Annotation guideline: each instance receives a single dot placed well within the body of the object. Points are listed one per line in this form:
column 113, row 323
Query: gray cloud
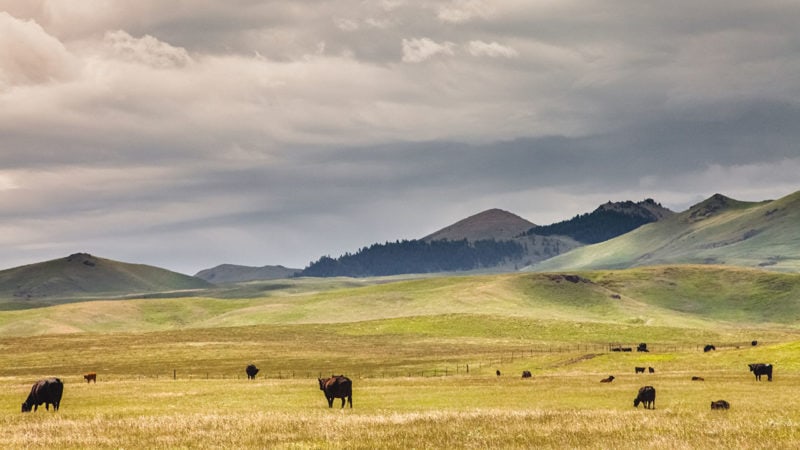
column 188, row 135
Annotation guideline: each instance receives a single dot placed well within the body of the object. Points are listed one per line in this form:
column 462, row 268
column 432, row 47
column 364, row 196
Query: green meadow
column 422, row 354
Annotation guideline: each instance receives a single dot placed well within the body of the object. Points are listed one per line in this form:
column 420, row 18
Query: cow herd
column 50, row 390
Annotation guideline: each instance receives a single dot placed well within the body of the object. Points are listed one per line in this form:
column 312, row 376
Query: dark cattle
column 337, row 386
column 91, row 376
column 698, row 379
column 627, row 349
column 720, row 404
column 616, row 349
column 498, row 373
column 754, row 343
column 761, row 369
column 639, row 369
column 608, row 380
column 44, row 391
column 651, row 370
column 647, row 396
column 526, row 374
column 251, row 371
column 642, row 348
column 708, row 348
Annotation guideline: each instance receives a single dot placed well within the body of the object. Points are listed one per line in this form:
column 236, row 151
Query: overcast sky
column 186, row 134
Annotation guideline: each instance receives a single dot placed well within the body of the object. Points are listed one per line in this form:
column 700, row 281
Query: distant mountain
column 490, row 224
column 718, row 230
column 231, row 273
column 607, row 221
column 84, row 275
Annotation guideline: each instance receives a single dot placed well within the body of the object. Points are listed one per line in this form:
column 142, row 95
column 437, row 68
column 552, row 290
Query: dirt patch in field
column 572, row 361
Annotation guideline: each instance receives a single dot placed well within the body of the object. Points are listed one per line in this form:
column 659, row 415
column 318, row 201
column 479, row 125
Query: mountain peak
column 493, row 223
column 711, row 206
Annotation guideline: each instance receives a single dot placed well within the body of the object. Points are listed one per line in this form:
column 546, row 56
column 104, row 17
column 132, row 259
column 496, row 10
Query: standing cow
column 46, row 391
column 647, row 396
column 761, row 369
column 337, row 386
column 91, row 376
column 251, row 371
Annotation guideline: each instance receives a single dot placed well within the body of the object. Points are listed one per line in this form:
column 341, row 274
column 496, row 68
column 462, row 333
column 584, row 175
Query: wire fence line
column 483, row 366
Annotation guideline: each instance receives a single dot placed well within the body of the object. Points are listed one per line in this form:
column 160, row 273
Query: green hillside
column 82, row 276
column 718, row 230
column 699, row 297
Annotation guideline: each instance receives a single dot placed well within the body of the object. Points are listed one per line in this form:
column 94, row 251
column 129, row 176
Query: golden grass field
column 397, row 347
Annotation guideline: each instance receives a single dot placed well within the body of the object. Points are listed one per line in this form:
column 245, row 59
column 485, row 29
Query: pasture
column 136, row 402
column 422, row 355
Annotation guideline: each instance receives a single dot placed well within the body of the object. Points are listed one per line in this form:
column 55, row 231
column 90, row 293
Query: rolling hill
column 660, row 299
column 82, row 275
column 232, row 273
column 719, row 230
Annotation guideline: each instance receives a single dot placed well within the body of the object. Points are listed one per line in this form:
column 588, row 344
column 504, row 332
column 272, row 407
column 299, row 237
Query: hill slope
column 83, row 275
column 718, row 230
column 232, row 273
column 700, row 297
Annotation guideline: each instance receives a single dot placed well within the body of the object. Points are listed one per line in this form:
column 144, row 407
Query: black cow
column 608, row 380
column 251, row 371
column 695, row 378
column 720, row 404
column 46, row 391
column 526, row 374
column 651, row 370
column 639, row 369
column 754, row 343
column 647, row 396
column 642, row 347
column 337, row 386
column 761, row 369
column 497, row 372
column 708, row 348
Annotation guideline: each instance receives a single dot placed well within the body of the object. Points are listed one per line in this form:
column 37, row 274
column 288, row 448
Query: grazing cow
column 46, row 391
column 708, row 348
column 608, row 380
column 616, row 349
column 251, row 371
column 761, row 369
column 337, row 386
column 91, row 376
column 647, row 396
column 526, row 374
column 497, row 372
column 642, row 347
column 698, row 379
column 651, row 370
column 639, row 369
column 720, row 404
column 627, row 349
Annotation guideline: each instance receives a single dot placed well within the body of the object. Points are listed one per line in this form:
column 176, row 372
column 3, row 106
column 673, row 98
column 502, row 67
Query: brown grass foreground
column 571, row 410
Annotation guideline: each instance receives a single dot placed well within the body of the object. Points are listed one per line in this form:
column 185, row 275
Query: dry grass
column 557, row 411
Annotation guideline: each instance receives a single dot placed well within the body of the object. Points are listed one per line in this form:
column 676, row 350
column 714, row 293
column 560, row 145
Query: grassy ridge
column 717, row 231
column 679, row 297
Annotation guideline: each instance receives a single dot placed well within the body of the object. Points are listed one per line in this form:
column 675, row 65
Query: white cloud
column 459, row 11
column 419, row 50
column 29, row 55
column 146, row 50
column 492, row 49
